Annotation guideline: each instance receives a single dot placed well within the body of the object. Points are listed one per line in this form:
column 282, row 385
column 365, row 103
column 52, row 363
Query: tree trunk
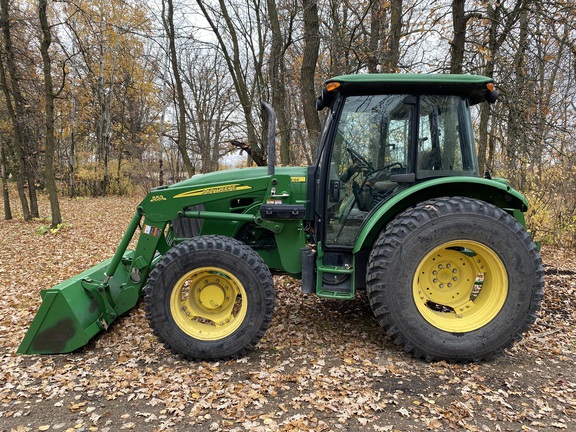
column 458, row 43
column 515, row 138
column 484, row 162
column 15, row 108
column 49, row 106
column 121, row 139
column 392, row 54
column 18, row 151
column 72, row 154
column 162, row 121
column 108, row 131
column 277, row 71
column 171, row 33
column 4, row 179
column 308, row 69
column 375, row 41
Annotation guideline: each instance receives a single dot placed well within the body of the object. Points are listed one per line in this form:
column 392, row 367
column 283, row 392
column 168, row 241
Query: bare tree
column 49, row 113
column 168, row 19
column 16, row 107
column 224, row 27
column 308, row 69
column 4, row 180
column 502, row 22
column 210, row 105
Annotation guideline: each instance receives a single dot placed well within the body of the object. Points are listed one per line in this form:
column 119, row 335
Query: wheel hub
column 212, row 296
column 445, row 277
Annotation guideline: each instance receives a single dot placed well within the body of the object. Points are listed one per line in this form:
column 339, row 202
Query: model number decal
column 157, row 198
column 214, row 190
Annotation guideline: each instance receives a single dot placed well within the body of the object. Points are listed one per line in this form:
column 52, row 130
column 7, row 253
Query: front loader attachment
column 77, row 309
column 72, row 313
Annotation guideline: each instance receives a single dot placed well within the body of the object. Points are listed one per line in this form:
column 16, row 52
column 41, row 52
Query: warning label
column 150, row 230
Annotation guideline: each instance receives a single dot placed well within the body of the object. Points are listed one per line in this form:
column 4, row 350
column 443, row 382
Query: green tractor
column 394, row 206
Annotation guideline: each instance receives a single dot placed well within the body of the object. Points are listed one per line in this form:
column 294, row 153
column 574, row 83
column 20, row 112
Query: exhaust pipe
column 271, row 136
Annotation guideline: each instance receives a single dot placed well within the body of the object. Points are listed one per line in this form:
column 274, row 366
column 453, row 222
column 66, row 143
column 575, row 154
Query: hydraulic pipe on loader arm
column 77, row 309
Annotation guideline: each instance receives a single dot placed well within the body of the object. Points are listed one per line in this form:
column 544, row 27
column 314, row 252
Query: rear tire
column 455, row 279
column 210, row 298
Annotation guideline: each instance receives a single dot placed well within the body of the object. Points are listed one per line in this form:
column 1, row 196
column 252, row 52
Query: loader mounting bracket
column 101, row 292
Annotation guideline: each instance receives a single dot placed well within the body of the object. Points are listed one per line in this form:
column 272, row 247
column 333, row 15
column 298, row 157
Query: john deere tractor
column 394, row 205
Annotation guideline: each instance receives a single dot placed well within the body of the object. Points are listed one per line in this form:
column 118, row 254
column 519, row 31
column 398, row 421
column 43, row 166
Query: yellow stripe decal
column 298, row 179
column 214, row 190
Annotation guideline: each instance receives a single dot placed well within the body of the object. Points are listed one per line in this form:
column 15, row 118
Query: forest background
column 109, row 97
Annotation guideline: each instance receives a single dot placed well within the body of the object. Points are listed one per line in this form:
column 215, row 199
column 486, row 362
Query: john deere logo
column 214, row 190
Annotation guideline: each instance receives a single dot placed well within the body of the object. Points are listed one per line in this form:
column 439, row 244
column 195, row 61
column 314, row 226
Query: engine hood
column 298, row 174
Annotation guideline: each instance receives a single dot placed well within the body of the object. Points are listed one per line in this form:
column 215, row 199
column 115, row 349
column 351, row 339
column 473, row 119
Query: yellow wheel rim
column 460, row 286
column 208, row 303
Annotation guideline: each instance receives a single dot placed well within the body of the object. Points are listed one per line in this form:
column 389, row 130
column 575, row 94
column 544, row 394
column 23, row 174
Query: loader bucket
column 77, row 309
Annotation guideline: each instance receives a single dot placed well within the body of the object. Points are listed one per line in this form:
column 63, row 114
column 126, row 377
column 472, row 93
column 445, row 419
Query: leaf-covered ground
column 322, row 366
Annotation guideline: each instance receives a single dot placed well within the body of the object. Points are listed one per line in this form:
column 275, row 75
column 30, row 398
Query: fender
column 495, row 191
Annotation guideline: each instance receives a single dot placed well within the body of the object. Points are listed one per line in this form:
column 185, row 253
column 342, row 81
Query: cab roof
column 411, row 83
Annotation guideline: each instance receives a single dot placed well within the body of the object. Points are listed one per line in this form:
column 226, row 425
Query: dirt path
column 322, row 366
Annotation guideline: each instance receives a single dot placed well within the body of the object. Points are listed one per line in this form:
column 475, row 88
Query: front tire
column 210, row 298
column 455, row 279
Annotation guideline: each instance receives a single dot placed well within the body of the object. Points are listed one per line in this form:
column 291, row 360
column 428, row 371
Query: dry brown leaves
column 322, row 366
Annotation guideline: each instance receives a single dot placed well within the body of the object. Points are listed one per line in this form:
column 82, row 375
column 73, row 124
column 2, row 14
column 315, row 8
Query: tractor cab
column 384, row 134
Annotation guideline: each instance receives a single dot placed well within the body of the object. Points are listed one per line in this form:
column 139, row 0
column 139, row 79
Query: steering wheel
column 360, row 161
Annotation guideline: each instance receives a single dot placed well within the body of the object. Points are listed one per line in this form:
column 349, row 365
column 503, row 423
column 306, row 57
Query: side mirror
column 492, row 96
column 325, row 99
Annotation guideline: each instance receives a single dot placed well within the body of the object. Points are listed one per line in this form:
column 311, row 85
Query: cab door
column 371, row 144
column 366, row 143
